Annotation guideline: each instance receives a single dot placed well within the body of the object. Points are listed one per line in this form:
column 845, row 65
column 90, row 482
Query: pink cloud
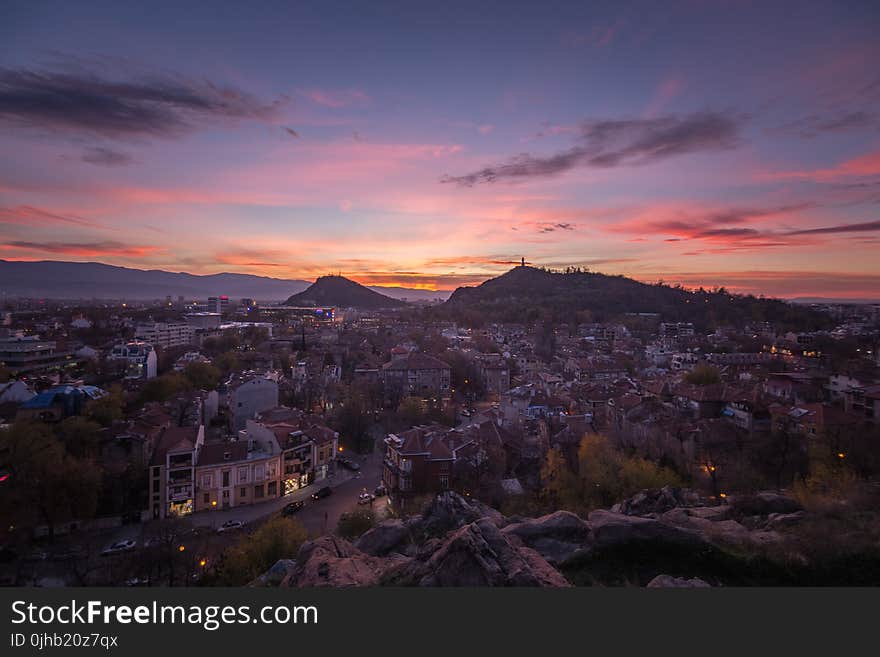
column 336, row 98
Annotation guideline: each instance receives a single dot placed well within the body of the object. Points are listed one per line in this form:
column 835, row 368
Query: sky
column 433, row 145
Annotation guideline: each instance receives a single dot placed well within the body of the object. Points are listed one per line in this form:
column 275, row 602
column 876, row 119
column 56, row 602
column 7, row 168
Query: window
column 226, row 478
column 444, row 481
column 273, row 489
column 405, row 483
column 243, row 492
column 155, row 485
column 258, row 491
column 208, row 481
column 207, row 498
column 259, row 472
column 242, row 475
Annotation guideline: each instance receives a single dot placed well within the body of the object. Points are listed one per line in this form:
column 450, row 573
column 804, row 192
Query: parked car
column 350, row 465
column 322, row 493
column 365, row 498
column 118, row 547
column 380, row 491
column 293, row 507
column 229, row 525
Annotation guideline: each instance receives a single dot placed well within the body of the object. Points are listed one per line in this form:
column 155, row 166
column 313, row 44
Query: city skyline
column 417, row 147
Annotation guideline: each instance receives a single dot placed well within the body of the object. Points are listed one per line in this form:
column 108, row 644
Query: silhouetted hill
column 342, row 292
column 94, row 280
column 529, row 294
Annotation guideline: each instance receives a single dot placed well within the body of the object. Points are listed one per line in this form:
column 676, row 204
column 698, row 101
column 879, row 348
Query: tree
column 164, row 387
column 108, row 409
column 202, row 376
column 46, row 483
column 79, row 435
column 253, row 555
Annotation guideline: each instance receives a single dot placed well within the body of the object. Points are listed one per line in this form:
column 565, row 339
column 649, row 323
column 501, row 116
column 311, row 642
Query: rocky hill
column 527, row 293
column 665, row 537
column 342, row 292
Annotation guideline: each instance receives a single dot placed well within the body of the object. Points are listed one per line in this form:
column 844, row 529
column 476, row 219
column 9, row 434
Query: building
column 205, row 320
column 417, row 461
column 219, row 304
column 172, row 471
column 249, row 395
column 139, row 357
column 58, row 402
column 416, row 374
column 29, row 353
column 245, row 471
column 165, row 334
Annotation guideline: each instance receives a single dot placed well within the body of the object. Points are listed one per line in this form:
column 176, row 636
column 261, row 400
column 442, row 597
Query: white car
column 118, row 547
column 230, row 525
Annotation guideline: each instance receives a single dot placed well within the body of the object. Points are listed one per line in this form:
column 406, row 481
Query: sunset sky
column 432, row 145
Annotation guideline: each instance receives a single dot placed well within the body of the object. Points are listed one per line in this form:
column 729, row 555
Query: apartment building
column 173, row 471
column 416, row 374
column 165, row 334
column 29, row 353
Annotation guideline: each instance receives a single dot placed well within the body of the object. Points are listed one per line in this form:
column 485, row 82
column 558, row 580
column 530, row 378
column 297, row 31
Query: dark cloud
column 84, row 249
column 153, row 106
column 106, row 157
column 605, row 144
column 864, row 227
column 815, row 125
column 291, row 132
column 549, row 228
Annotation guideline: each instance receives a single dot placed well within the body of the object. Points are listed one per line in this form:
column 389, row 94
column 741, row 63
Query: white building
column 248, row 396
column 165, row 334
column 140, row 357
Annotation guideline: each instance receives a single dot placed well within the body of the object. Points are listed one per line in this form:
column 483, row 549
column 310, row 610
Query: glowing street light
column 181, row 548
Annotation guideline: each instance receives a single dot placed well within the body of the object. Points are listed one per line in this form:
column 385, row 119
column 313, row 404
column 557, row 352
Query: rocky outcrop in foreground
column 661, row 538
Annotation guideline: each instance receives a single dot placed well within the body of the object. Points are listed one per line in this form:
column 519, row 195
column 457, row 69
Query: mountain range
column 93, row 280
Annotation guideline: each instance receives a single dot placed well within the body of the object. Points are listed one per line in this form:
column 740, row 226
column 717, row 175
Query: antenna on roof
column 523, row 262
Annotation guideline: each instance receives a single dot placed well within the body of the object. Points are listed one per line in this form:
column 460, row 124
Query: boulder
column 610, row 529
column 653, row 501
column 782, row 520
column 334, row 562
column 277, row 575
column 449, row 511
column 765, row 503
column 555, row 537
column 479, row 554
column 387, row 536
column 670, row 582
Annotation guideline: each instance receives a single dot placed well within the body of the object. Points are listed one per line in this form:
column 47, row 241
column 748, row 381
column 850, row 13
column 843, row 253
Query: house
column 139, row 358
column 415, row 373
column 417, row 461
column 237, row 473
column 15, row 392
column 172, row 471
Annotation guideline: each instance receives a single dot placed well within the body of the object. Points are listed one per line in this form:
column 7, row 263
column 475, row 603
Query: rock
column 555, row 537
column 277, row 574
column 609, row 529
column 727, row 532
column 654, row 501
column 332, row 561
column 479, row 554
column 385, row 537
column 670, row 582
column 765, row 503
column 449, row 511
column 782, row 520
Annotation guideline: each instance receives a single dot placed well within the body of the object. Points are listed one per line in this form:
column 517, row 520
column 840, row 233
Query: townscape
column 186, row 442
